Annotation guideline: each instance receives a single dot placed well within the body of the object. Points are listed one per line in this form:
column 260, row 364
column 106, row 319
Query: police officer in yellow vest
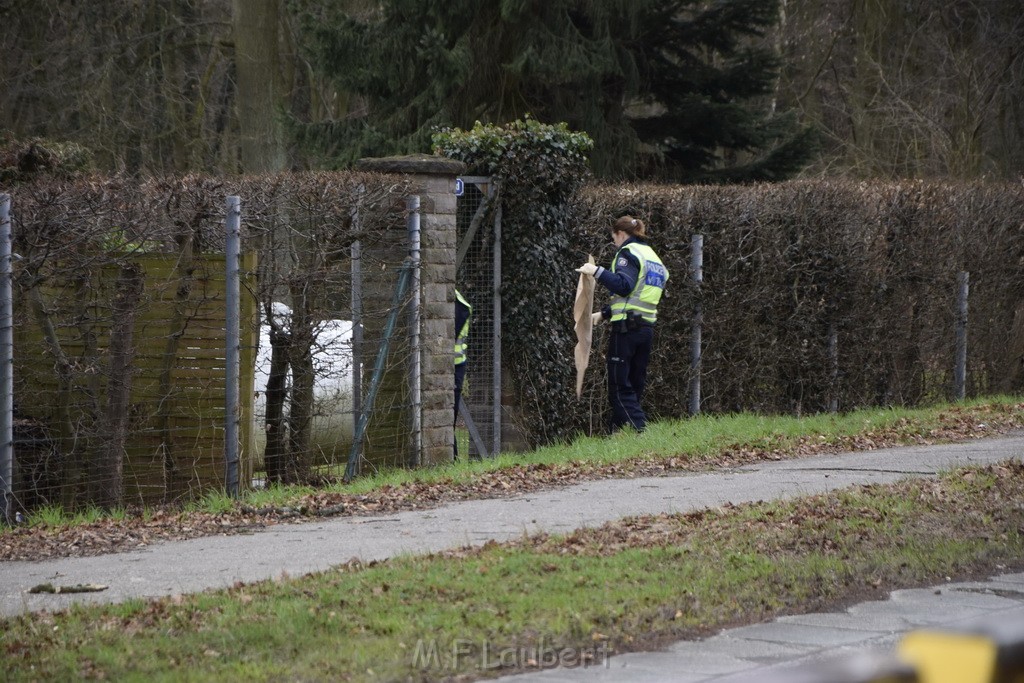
column 636, row 280
column 462, row 312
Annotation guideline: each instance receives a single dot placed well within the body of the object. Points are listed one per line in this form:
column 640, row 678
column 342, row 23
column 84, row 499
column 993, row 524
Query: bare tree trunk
column 276, row 392
column 184, row 268
column 106, row 481
column 88, row 389
column 1013, row 381
column 869, row 26
column 257, row 62
column 300, row 416
column 176, row 67
column 70, row 468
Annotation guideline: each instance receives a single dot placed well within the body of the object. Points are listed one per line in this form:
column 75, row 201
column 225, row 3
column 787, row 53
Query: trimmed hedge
column 785, row 262
column 783, row 265
column 787, row 267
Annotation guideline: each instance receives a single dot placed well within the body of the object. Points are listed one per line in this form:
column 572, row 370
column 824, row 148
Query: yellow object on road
column 949, row 657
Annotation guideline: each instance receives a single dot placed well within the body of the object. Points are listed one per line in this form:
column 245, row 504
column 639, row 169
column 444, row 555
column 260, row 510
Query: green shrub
column 538, row 169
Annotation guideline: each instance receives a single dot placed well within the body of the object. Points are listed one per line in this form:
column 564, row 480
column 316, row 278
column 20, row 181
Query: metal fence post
column 232, row 344
column 697, row 273
column 6, row 366
column 960, row 369
column 416, row 386
column 357, row 336
column 496, row 331
column 833, row 368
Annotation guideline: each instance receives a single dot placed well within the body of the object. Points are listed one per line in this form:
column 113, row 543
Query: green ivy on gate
column 539, row 168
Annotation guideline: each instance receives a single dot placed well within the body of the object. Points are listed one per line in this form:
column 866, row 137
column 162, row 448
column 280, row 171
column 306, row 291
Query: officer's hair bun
column 631, row 226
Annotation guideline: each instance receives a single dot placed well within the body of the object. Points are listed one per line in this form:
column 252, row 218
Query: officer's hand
column 595, row 318
column 587, row 269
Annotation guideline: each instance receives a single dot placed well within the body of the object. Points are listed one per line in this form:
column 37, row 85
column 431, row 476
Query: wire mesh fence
column 478, row 278
column 119, row 326
column 119, row 329
column 326, row 305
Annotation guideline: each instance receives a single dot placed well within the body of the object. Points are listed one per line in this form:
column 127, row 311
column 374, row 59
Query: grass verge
column 480, row 612
column 707, row 437
column 702, row 443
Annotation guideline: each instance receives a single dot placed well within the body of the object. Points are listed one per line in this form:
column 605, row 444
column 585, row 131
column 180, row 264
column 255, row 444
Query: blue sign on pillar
column 460, row 187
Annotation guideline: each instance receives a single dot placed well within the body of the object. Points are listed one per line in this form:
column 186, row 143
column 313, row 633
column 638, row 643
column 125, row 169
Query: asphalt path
column 191, row 566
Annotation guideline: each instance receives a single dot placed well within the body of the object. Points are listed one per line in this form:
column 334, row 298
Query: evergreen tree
column 673, row 89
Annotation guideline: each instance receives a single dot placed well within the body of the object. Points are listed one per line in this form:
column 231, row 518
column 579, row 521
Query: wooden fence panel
column 175, row 443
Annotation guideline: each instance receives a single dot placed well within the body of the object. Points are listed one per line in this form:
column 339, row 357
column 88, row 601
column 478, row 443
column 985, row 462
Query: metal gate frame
column 485, row 413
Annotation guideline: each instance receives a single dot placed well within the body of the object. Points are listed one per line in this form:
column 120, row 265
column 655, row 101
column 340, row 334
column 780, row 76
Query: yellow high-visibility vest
column 650, row 285
column 463, row 335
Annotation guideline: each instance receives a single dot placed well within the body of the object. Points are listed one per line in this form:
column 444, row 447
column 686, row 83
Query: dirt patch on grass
column 135, row 530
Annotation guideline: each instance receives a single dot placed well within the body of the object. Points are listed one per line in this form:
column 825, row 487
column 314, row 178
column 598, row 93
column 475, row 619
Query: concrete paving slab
column 770, row 660
column 756, row 651
column 799, row 634
column 617, row 672
column 830, row 666
column 684, row 661
column 873, row 623
column 549, row 676
column 1004, row 589
column 942, row 596
column 920, row 613
column 1012, row 578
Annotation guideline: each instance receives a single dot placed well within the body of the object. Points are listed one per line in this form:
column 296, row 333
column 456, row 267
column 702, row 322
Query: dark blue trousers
column 628, row 354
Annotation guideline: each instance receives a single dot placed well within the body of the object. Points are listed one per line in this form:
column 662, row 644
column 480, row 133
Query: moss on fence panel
column 67, row 374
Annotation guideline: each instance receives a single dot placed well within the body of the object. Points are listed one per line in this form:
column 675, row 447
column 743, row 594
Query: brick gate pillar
column 433, row 179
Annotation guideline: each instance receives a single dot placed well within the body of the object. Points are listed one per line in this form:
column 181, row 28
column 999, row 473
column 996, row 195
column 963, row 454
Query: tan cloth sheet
column 584, row 327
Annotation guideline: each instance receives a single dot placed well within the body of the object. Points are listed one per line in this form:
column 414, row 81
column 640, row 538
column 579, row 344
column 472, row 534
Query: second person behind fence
column 462, row 313
column 636, row 280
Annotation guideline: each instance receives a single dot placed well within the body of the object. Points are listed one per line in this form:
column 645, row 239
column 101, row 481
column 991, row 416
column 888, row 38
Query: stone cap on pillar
column 429, row 164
